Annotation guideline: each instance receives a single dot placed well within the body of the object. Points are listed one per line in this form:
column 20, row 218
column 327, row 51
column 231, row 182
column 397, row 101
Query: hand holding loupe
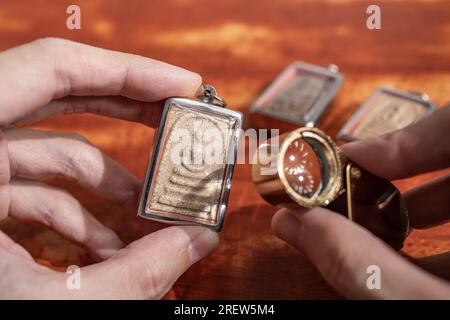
column 306, row 168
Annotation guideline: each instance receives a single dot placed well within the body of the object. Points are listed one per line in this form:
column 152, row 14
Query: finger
column 149, row 267
column 343, row 251
column 429, row 204
column 146, row 269
column 148, row 113
column 38, row 72
column 37, row 154
column 59, row 211
column 4, row 177
column 421, row 147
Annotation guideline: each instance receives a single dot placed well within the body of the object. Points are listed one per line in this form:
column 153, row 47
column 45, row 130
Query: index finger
column 421, row 147
column 38, row 72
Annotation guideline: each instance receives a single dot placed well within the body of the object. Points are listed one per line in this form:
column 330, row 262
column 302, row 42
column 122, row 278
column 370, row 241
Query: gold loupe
column 306, row 168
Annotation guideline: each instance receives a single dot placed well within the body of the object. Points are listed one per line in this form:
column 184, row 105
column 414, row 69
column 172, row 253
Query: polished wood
column 239, row 47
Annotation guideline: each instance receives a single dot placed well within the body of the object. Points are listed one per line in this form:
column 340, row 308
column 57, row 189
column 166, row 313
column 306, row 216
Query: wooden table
column 239, row 47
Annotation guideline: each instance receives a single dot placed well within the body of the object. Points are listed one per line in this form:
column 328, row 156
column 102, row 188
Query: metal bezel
column 319, row 105
column 226, row 186
column 344, row 134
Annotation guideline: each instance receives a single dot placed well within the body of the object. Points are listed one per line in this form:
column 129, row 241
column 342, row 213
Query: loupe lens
column 303, row 167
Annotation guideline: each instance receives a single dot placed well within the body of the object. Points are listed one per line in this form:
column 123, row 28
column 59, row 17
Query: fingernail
column 287, row 227
column 196, row 84
column 188, row 82
column 203, row 244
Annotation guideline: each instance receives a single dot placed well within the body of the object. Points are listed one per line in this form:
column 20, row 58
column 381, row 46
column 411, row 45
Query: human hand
column 342, row 251
column 54, row 76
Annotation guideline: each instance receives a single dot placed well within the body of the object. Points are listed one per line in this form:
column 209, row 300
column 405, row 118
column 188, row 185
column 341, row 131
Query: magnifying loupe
column 305, row 168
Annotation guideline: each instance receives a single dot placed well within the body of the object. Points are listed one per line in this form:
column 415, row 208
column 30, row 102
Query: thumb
column 346, row 255
column 148, row 267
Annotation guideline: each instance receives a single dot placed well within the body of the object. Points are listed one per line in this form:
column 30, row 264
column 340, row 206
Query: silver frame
column 410, row 95
column 319, row 106
column 226, row 185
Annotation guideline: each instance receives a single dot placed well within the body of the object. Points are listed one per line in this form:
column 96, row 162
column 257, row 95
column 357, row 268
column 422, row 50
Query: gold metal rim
column 333, row 157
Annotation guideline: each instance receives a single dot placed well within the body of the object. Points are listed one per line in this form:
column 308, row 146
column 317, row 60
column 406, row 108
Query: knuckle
column 57, row 53
column 50, row 42
column 76, row 153
column 405, row 142
column 337, row 269
column 334, row 261
column 69, row 164
column 61, row 206
column 154, row 284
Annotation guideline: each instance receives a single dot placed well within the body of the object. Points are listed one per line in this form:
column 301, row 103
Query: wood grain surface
column 239, row 47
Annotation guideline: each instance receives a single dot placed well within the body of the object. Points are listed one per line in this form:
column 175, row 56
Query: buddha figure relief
column 189, row 176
